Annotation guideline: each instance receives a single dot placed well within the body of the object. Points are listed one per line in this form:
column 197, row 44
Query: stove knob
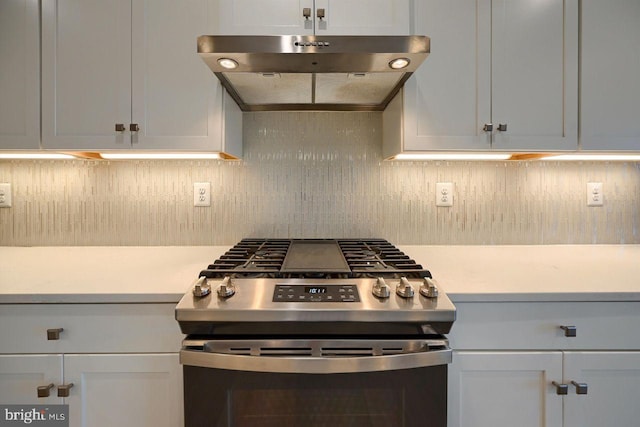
column 381, row 289
column 202, row 288
column 404, row 288
column 226, row 288
column 428, row 288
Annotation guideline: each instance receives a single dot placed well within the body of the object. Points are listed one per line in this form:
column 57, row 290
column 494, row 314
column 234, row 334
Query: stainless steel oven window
column 399, row 398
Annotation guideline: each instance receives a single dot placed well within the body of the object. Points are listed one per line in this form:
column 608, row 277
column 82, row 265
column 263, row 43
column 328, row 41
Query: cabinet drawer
column 536, row 326
column 89, row 328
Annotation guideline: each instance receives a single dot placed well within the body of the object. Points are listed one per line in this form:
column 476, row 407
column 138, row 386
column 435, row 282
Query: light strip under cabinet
column 35, row 156
column 451, row 156
column 161, row 156
column 594, row 157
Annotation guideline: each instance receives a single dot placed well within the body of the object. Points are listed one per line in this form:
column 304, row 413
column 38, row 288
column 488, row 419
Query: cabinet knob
column 63, row 390
column 119, row 127
column 502, row 127
column 54, row 334
column 488, row 127
column 306, row 12
column 561, row 389
column 581, row 388
column 43, row 390
column 569, row 331
column 320, row 14
column 133, row 127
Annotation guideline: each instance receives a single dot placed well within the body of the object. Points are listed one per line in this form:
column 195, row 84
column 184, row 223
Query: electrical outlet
column 5, row 195
column 201, row 194
column 444, row 194
column 595, row 194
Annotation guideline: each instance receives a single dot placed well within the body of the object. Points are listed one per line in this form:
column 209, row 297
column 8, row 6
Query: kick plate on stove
column 316, row 293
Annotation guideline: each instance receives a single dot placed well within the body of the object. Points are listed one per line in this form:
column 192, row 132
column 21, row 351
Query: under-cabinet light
column 451, row 156
column 160, row 156
column 36, row 156
column 587, row 157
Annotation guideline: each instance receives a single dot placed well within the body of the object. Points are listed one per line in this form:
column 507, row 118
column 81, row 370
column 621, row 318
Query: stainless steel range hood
column 334, row 73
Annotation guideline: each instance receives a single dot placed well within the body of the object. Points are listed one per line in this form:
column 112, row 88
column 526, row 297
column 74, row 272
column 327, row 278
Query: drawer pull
column 581, row 388
column 561, row 389
column 43, row 390
column 63, row 390
column 569, row 331
column 54, row 334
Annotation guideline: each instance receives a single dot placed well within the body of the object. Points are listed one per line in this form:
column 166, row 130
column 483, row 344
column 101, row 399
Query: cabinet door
column 502, row 62
column 21, row 375
column 610, row 66
column 363, row 17
column 19, row 75
column 263, row 17
column 176, row 100
column 86, row 73
column 502, row 389
column 534, row 74
column 126, row 390
column 613, row 381
column 447, row 99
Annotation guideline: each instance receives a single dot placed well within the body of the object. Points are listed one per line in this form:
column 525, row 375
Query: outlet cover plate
column 5, row 195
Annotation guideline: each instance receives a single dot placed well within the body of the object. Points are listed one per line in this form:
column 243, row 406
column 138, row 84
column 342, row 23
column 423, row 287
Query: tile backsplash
column 316, row 175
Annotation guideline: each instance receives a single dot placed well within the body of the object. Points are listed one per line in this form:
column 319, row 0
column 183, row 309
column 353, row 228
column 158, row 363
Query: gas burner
column 362, row 258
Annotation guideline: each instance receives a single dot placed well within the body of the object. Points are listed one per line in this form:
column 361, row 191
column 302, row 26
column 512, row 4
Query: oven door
column 313, row 383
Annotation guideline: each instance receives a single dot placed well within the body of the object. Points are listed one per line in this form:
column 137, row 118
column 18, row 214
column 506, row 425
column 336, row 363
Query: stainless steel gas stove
column 315, row 332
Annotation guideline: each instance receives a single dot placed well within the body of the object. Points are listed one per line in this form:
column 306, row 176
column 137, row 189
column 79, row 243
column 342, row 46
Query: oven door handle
column 315, row 365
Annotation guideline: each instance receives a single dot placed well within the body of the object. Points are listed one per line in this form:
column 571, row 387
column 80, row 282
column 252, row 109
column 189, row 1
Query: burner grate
column 364, row 257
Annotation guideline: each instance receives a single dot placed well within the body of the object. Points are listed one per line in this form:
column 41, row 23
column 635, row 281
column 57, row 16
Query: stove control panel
column 315, row 292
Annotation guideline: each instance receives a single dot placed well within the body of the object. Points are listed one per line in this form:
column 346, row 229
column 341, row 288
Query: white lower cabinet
column 121, row 359
column 128, row 390
column 494, row 389
column 22, row 374
column 505, row 365
column 505, row 389
column 613, row 381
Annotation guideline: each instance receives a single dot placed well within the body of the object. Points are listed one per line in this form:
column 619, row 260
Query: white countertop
column 534, row 272
column 466, row 273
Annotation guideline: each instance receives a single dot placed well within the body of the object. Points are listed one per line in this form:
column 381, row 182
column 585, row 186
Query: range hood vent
column 333, row 73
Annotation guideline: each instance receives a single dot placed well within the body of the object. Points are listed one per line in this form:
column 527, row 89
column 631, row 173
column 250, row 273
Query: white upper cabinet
column 511, row 63
column 308, row 17
column 610, row 66
column 19, row 75
column 534, row 74
column 125, row 74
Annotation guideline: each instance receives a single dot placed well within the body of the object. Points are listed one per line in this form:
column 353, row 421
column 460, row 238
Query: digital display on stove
column 341, row 292
column 314, row 290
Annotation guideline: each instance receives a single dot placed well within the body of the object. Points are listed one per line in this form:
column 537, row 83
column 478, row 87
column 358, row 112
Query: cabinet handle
column 488, row 127
column 320, row 14
column 133, row 127
column 561, row 389
column 306, row 12
column 502, row 127
column 54, row 334
column 569, row 331
column 63, row 390
column 43, row 390
column 119, row 127
column 581, row 388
